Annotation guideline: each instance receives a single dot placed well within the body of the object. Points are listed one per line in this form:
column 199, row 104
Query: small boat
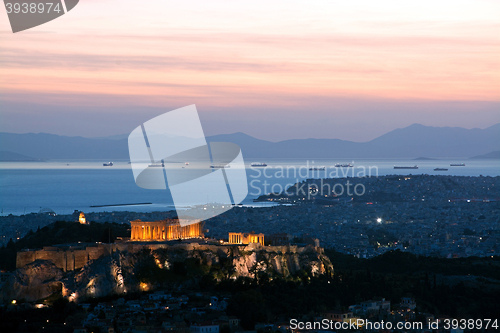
column 457, row 164
column 258, row 165
column 220, row 166
column 440, row 169
column 187, row 163
column 108, row 164
column 348, row 165
column 317, row 168
column 405, row 167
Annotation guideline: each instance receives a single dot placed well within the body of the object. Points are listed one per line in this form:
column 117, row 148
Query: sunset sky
column 272, row 69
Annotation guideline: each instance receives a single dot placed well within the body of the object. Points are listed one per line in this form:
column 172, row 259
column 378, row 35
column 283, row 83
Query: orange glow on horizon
column 233, row 55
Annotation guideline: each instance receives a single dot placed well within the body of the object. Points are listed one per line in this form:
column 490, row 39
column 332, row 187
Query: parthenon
column 168, row 229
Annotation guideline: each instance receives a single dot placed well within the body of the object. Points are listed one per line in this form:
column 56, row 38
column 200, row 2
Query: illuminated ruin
column 245, row 238
column 82, row 219
column 169, row 229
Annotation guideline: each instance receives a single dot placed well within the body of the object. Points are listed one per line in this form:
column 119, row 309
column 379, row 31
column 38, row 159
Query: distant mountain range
column 409, row 142
column 8, row 156
column 494, row 155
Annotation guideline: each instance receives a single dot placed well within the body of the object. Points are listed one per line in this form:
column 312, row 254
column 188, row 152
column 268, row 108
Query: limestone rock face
column 104, row 276
column 34, row 281
column 118, row 273
column 247, row 261
column 281, row 262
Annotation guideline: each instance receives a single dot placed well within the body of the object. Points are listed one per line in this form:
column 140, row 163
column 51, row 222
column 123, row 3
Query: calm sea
column 64, row 186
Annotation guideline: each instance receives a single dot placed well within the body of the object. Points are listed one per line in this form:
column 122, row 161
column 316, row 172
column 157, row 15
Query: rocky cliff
column 152, row 266
column 35, row 281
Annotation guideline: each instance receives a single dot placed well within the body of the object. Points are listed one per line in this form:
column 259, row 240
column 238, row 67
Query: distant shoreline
column 425, row 159
column 118, row 205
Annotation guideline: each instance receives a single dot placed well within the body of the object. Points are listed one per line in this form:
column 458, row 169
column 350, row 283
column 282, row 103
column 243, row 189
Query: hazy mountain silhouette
column 420, row 140
column 489, row 156
column 8, row 156
column 409, row 142
column 51, row 146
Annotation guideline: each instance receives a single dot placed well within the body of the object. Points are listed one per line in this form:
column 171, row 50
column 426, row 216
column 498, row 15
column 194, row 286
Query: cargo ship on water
column 322, row 168
column 440, row 169
column 457, row 164
column 406, row 167
column 348, row 165
column 258, row 165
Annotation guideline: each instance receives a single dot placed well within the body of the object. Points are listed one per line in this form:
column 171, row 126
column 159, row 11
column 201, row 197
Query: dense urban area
column 443, row 216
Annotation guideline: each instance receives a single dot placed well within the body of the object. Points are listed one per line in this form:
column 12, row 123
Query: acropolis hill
column 74, row 257
column 116, row 265
column 158, row 235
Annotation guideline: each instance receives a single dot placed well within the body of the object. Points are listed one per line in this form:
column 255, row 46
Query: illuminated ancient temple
column 245, row 238
column 169, row 229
